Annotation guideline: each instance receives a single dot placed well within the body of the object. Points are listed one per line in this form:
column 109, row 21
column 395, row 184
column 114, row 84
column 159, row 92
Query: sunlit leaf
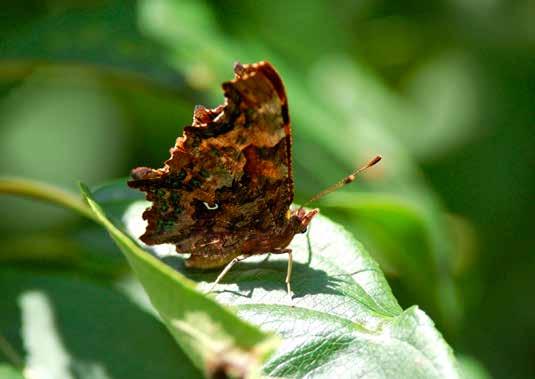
column 343, row 317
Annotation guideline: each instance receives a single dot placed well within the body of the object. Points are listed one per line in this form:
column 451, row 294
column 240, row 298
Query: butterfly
column 225, row 193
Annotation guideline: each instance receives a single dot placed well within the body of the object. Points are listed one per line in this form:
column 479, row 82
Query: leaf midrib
column 322, row 315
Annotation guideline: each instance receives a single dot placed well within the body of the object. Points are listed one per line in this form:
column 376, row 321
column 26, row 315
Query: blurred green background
column 444, row 90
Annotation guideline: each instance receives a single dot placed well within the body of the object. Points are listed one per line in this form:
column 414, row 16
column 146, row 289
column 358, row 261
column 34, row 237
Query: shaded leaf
column 88, row 250
column 63, row 326
column 104, row 36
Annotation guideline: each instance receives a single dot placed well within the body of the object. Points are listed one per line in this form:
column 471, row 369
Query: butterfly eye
column 211, row 207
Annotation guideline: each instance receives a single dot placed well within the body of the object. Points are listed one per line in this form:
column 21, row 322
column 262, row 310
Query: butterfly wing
column 229, row 176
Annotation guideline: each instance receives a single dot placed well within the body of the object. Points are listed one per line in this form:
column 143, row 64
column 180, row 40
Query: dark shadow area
column 268, row 275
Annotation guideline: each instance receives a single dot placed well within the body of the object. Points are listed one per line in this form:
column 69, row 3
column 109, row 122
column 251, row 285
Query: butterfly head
column 300, row 219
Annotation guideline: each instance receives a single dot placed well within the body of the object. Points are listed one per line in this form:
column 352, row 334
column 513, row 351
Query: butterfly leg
column 225, row 270
column 289, row 272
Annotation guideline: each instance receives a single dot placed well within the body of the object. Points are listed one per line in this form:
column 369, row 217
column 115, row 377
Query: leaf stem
column 45, row 192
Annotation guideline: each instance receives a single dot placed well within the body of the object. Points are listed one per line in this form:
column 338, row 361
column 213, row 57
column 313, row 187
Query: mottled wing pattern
column 229, row 176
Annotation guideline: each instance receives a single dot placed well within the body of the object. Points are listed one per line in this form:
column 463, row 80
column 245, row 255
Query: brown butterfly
column 225, row 193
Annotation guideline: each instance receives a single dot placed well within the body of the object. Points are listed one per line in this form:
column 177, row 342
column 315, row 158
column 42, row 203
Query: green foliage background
column 443, row 90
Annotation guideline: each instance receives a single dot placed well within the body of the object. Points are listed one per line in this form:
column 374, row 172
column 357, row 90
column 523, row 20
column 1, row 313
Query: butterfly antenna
column 348, row 179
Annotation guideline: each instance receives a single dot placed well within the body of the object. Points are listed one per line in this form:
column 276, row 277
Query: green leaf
column 10, row 372
column 65, row 326
column 402, row 234
column 211, row 335
column 88, row 250
column 343, row 317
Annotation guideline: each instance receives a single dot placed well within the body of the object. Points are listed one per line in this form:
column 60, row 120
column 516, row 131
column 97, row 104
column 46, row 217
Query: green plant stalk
column 45, row 192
